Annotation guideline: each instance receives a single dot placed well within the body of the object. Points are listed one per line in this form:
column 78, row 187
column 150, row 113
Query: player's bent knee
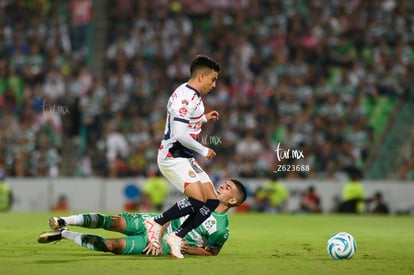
column 118, row 224
column 197, row 204
column 115, row 246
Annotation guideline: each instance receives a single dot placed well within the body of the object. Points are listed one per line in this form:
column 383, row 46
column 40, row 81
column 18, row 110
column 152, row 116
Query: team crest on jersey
column 191, row 173
column 185, row 102
column 182, row 111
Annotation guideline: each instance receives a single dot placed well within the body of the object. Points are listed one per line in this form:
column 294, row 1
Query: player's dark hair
column 242, row 190
column 203, row 61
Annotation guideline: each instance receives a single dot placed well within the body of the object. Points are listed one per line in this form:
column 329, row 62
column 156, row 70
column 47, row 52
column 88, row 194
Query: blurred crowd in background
column 302, row 75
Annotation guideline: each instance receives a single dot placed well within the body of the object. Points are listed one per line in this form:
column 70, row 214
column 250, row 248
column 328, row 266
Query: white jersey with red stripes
column 185, row 105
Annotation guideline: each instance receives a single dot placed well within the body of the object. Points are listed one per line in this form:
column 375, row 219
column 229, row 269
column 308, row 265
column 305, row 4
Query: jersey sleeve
column 181, row 109
column 217, row 240
column 186, row 140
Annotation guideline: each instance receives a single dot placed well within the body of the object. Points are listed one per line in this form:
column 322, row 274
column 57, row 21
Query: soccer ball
column 341, row 245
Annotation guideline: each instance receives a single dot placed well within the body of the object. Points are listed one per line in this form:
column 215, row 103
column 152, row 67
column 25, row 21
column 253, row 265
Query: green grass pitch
column 258, row 244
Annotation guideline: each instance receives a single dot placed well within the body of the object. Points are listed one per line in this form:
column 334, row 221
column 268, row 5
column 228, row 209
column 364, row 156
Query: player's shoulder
column 218, row 227
column 221, row 215
column 186, row 92
column 220, row 218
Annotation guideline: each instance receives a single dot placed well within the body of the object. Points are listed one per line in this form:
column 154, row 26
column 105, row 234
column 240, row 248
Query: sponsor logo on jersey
column 205, row 211
column 191, row 173
column 182, row 111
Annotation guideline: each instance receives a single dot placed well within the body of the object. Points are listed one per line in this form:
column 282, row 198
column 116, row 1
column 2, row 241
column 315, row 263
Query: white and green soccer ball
column 341, row 245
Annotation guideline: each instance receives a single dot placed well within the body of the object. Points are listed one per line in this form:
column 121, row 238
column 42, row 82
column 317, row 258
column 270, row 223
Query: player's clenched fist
column 211, row 154
column 212, row 115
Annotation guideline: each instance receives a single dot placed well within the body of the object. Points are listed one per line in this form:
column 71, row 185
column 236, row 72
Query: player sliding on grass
column 177, row 152
column 207, row 239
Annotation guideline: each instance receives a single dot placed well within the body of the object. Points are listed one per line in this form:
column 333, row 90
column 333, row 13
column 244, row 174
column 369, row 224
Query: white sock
column 74, row 220
column 72, row 236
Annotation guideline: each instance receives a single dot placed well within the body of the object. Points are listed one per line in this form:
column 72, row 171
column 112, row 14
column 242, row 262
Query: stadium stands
column 321, row 78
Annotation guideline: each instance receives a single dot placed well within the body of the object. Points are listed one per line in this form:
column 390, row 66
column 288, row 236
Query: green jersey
column 211, row 234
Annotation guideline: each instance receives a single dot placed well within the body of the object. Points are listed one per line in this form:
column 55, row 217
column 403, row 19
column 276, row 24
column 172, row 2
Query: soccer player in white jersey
column 177, row 152
column 207, row 239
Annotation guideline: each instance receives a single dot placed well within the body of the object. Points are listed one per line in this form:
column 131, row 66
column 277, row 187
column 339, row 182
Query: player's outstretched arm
column 179, row 129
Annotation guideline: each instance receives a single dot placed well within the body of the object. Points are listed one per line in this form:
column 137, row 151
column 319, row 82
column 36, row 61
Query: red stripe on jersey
column 169, row 155
column 194, row 136
column 186, row 184
column 200, row 116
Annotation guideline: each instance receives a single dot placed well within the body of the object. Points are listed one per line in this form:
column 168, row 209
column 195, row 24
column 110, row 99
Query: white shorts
column 181, row 171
